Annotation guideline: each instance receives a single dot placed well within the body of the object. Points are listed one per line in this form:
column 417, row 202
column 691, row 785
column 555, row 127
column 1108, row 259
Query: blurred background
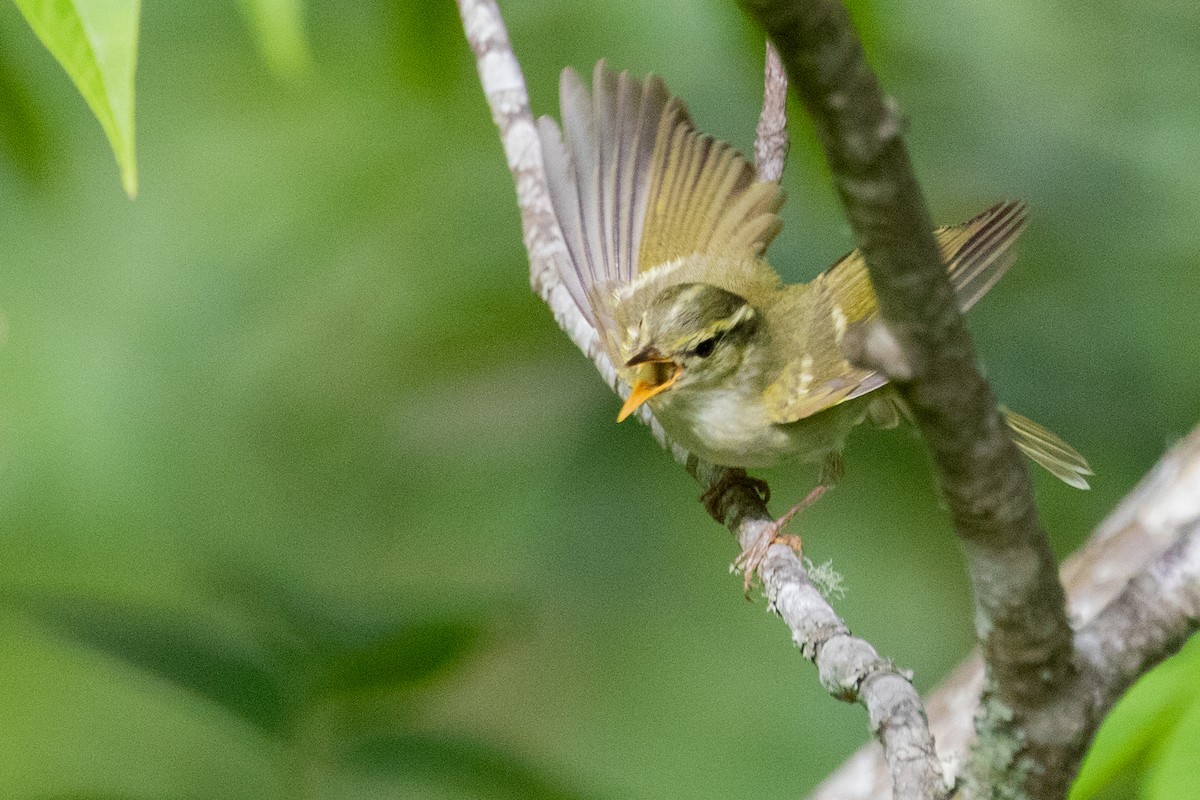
column 304, row 495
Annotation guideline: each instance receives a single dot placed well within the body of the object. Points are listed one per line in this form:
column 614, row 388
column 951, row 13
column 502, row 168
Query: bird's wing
column 977, row 253
column 635, row 186
column 813, row 319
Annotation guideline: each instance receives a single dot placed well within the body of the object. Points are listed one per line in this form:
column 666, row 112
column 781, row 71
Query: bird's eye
column 706, row 347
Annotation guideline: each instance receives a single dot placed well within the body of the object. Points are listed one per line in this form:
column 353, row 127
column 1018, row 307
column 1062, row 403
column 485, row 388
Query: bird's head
column 692, row 335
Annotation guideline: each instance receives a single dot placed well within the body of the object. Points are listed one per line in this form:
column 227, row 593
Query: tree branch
column 1149, row 621
column 848, row 667
column 927, row 352
column 1148, row 541
column 771, row 137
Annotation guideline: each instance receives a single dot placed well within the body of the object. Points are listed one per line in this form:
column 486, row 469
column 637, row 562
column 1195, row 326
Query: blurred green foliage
column 303, row 495
column 278, row 27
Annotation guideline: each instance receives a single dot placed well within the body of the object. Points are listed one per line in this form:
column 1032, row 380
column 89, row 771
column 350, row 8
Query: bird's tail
column 1056, row 456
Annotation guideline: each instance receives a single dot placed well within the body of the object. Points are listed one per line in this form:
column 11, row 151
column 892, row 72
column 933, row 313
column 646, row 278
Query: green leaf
column 394, row 655
column 1172, row 775
column 1148, row 713
column 471, row 767
column 95, row 41
column 187, row 650
column 346, row 649
column 278, row 27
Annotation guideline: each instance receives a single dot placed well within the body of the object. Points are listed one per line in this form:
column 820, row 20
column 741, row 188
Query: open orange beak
column 662, row 373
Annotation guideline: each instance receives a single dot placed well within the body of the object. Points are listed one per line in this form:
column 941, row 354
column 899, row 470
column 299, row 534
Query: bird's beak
column 661, row 373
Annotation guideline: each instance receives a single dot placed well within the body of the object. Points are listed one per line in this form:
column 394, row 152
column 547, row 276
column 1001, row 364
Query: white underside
column 731, row 428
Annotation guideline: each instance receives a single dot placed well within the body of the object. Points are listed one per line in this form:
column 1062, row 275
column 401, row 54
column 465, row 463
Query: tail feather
column 1046, row 449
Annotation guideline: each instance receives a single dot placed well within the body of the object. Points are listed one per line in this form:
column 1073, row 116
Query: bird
column 666, row 229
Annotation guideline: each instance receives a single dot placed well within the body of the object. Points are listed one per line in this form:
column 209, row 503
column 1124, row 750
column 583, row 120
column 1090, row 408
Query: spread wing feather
column 635, row 187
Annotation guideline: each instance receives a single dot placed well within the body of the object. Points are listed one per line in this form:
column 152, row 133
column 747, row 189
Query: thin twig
column 848, row 667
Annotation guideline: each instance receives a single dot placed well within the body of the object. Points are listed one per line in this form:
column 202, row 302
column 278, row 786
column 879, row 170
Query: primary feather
column 645, row 200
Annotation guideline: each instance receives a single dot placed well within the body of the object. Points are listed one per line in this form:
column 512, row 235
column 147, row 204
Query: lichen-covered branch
column 1132, row 594
column 1020, row 616
column 849, row 667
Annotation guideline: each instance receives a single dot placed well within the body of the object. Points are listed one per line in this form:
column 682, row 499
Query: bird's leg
column 752, row 557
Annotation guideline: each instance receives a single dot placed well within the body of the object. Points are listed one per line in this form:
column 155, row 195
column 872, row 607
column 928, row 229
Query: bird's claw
column 750, row 559
column 753, row 556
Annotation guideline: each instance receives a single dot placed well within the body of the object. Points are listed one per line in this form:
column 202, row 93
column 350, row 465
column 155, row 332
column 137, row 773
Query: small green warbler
column 666, row 230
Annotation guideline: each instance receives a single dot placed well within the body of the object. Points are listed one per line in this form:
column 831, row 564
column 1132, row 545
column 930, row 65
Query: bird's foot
column 753, row 556
column 716, row 497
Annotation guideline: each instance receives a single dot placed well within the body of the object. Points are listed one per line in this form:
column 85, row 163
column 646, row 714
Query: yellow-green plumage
column 667, row 228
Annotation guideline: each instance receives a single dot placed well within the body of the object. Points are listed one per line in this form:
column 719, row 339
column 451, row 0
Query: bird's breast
column 733, row 428
column 723, row 427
